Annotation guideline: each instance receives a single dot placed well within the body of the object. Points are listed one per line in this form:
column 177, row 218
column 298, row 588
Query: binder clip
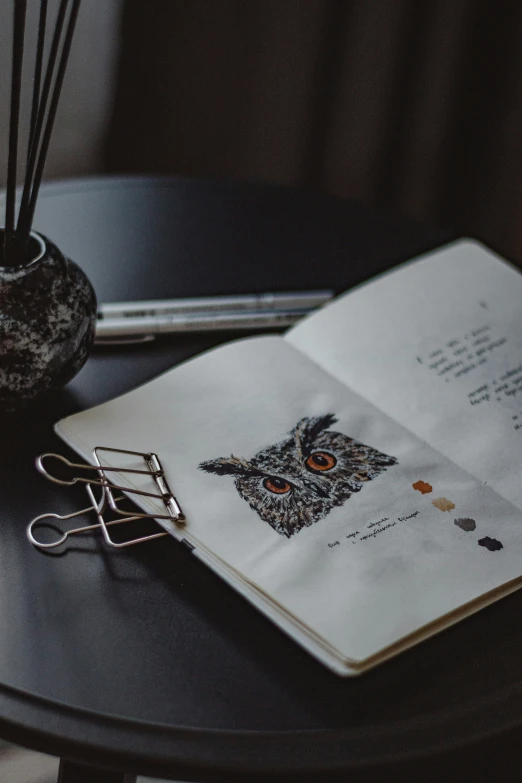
column 98, row 475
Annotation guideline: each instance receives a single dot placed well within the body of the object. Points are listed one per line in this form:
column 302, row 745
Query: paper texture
column 313, row 496
column 437, row 345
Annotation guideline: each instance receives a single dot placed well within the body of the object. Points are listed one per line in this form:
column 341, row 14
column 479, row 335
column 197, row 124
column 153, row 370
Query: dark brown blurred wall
column 414, row 106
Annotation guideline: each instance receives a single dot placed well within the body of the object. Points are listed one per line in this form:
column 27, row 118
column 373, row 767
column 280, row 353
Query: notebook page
column 313, row 495
column 437, row 345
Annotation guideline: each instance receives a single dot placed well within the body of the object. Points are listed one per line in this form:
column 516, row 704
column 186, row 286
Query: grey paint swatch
column 466, row 523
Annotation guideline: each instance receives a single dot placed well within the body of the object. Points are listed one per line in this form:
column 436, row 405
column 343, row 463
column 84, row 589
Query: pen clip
column 130, row 340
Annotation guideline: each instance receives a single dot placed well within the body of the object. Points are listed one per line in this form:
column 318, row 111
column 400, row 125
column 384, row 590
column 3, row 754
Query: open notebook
column 357, row 479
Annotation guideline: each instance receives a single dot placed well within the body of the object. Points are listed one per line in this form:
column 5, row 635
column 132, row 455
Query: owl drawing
column 299, row 480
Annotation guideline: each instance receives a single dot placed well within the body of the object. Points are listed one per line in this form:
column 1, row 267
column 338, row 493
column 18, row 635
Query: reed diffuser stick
column 23, row 227
column 62, row 66
column 16, row 87
column 44, row 104
column 38, row 66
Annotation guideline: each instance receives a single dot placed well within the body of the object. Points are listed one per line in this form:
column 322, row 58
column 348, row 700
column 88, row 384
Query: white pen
column 292, row 300
column 125, row 330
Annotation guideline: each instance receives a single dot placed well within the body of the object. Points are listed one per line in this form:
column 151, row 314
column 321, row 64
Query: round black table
column 142, row 660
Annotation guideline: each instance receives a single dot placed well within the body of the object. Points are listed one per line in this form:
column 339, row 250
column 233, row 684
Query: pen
column 252, row 303
column 143, row 328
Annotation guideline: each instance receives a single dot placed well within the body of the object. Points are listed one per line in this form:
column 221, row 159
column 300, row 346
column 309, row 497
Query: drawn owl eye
column 277, row 485
column 320, row 461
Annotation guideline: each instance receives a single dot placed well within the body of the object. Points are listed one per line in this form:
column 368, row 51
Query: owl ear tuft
column 228, row 466
column 307, row 430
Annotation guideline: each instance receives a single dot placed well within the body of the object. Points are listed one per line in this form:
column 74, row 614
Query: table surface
column 143, row 658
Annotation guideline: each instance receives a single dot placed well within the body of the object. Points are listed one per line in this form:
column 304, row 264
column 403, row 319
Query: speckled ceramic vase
column 47, row 321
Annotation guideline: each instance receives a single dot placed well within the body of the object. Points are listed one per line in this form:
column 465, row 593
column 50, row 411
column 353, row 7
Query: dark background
column 414, row 106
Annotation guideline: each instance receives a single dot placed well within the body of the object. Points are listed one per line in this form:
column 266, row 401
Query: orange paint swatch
column 422, row 486
column 443, row 504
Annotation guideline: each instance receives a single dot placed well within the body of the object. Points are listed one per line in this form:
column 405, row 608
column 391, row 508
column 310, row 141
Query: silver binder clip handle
column 99, row 509
column 101, row 470
column 41, row 521
column 43, row 470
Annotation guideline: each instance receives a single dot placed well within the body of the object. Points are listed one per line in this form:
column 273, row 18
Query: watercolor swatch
column 443, row 504
column 466, row 523
column 422, row 486
column 490, row 543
